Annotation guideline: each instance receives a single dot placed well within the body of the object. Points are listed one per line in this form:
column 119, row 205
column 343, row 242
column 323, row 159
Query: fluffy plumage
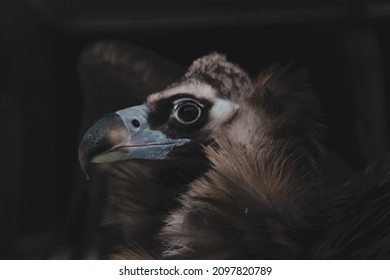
column 248, row 182
column 257, row 199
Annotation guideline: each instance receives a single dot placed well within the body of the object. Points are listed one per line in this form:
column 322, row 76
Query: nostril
column 135, row 123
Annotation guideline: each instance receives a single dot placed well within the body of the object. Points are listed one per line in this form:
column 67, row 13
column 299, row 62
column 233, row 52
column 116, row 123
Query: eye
column 187, row 111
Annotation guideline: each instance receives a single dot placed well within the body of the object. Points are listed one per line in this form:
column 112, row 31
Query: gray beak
column 123, row 135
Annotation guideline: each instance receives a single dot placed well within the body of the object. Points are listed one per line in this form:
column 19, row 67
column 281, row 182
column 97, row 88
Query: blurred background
column 44, row 214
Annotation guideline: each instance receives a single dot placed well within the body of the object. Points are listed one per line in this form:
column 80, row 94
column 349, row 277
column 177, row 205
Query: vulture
column 218, row 165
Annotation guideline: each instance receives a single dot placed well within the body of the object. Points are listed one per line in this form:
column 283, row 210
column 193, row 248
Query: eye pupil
column 188, row 113
column 135, row 123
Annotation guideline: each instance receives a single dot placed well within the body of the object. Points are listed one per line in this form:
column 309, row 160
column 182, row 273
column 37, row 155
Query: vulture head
column 216, row 165
column 173, row 122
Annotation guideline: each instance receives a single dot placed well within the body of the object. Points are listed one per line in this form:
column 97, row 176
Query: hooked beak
column 123, row 135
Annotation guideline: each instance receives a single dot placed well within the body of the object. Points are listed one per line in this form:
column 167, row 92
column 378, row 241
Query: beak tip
column 84, row 163
column 85, row 171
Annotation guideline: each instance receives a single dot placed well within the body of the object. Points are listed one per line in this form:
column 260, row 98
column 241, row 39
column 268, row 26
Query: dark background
column 344, row 44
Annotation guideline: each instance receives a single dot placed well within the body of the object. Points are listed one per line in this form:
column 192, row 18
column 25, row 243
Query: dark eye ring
column 187, row 112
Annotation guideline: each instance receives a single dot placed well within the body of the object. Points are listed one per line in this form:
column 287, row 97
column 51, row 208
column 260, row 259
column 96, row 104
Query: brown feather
column 262, row 189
